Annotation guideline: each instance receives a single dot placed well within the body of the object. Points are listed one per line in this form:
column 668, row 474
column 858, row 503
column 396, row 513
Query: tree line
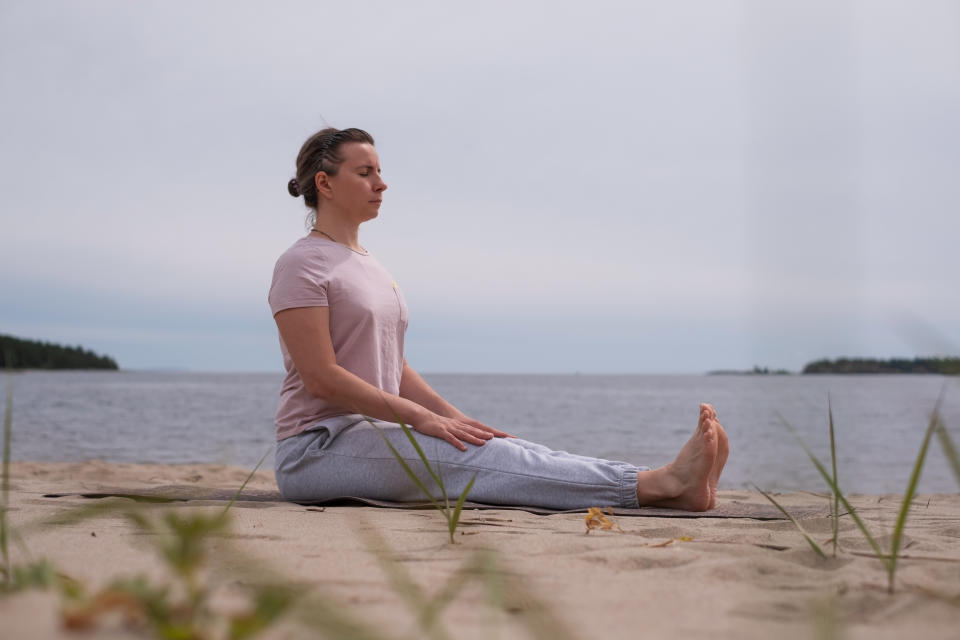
column 17, row 353
column 941, row 366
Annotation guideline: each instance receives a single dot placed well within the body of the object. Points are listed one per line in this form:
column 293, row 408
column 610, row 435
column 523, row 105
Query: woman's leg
column 349, row 457
column 557, row 453
column 356, row 461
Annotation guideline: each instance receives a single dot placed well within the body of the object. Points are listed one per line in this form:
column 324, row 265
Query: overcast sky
column 598, row 187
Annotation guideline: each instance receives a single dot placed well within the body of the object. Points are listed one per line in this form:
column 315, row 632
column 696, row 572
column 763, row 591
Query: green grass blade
column 400, row 579
column 5, row 480
column 911, row 490
column 406, row 467
column 426, row 608
column 949, row 449
column 331, row 620
column 493, row 587
column 112, row 506
column 416, row 445
column 429, row 616
column 245, row 481
column 455, row 517
column 813, row 543
column 836, row 490
column 423, row 457
column 443, row 489
column 321, row 617
column 833, row 460
column 452, row 515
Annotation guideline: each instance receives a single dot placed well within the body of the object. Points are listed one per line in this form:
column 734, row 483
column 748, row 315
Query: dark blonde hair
column 321, row 152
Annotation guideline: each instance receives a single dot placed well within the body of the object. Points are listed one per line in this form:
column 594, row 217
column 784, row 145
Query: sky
column 604, row 187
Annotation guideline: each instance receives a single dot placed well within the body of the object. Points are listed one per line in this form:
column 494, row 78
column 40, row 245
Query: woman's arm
column 413, row 387
column 306, row 333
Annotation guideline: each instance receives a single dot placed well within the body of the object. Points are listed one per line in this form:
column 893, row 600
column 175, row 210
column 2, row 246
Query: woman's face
column 358, row 187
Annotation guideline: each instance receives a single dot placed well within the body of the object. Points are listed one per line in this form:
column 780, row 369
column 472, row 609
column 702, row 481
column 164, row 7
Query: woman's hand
column 455, row 430
column 496, row 433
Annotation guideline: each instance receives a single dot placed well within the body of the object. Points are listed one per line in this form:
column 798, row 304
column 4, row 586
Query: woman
column 342, row 318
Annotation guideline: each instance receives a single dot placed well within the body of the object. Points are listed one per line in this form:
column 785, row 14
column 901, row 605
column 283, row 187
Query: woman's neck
column 338, row 230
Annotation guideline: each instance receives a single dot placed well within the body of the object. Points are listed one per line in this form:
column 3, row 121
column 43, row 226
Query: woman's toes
column 710, row 430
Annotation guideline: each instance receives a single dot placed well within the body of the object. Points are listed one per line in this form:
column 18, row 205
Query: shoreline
column 661, row 577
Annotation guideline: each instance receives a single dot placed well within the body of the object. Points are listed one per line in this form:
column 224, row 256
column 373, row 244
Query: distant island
column 936, row 366
column 756, row 371
column 940, row 366
column 30, row 354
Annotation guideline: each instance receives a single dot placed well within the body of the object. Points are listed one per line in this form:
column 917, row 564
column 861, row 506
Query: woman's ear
column 322, row 180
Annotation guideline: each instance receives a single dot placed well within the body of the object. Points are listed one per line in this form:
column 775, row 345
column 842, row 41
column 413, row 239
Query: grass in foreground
column 502, row 593
column 451, row 515
column 835, row 505
column 5, row 568
column 180, row 607
column 37, row 574
column 949, row 450
column 889, row 559
column 806, row 536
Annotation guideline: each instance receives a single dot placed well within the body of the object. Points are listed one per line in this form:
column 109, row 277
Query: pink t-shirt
column 368, row 319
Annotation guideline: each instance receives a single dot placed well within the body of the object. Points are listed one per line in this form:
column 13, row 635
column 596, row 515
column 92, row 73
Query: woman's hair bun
column 294, row 188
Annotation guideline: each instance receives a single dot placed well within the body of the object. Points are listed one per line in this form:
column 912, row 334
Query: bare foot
column 690, row 481
column 723, row 452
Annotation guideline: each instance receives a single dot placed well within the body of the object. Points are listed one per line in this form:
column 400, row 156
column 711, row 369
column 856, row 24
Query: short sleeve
column 300, row 279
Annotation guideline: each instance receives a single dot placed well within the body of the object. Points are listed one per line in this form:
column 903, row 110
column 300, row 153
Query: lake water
column 135, row 416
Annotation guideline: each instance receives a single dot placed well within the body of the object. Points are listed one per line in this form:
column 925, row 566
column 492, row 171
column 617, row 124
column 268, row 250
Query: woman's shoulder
column 306, row 252
column 299, row 277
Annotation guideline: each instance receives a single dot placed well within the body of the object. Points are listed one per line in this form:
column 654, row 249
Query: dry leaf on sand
column 596, row 518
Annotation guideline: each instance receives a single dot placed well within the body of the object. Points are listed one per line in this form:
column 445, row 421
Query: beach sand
column 659, row 578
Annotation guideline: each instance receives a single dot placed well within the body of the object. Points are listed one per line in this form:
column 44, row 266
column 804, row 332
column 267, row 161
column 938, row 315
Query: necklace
column 362, row 251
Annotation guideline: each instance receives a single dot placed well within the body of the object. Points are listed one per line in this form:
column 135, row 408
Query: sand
column 659, row 578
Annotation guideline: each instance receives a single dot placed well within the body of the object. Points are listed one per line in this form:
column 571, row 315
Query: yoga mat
column 191, row 493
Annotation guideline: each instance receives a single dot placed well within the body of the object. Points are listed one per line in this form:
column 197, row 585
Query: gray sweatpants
column 347, row 456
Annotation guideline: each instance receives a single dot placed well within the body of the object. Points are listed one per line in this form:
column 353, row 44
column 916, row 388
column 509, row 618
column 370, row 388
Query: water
column 133, row 416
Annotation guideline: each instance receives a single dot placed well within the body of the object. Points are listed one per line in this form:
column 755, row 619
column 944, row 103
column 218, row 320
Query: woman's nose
column 380, row 186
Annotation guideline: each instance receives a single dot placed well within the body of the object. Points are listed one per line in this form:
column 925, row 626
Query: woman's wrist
column 415, row 414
